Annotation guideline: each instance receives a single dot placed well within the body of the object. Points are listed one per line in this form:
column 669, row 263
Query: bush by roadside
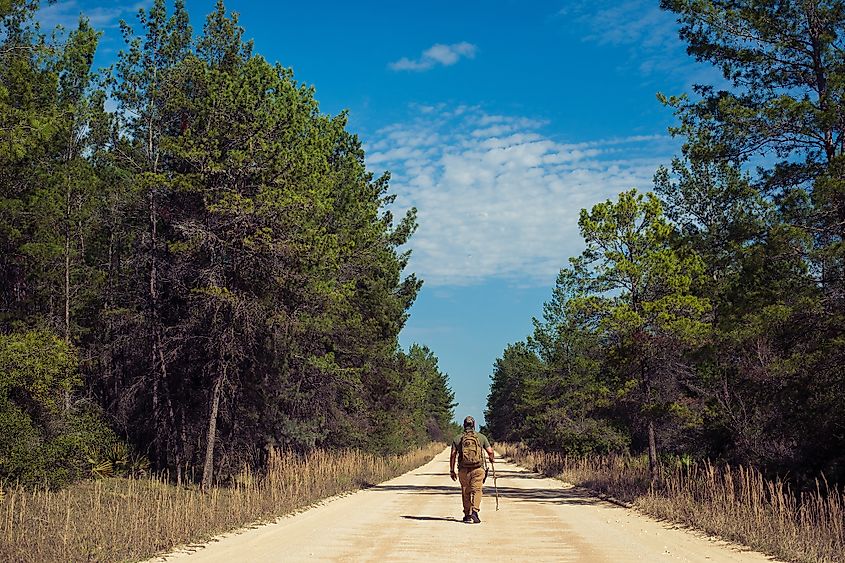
column 46, row 440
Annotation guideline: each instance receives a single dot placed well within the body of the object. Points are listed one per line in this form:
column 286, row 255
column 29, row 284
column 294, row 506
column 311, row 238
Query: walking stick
column 495, row 486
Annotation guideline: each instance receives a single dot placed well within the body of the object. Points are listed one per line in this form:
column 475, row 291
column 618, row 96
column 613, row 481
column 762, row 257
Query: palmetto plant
column 118, row 456
column 138, row 465
column 100, row 467
column 116, row 460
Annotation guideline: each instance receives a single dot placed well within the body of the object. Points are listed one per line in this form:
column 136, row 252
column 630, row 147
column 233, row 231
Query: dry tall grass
column 737, row 504
column 131, row 519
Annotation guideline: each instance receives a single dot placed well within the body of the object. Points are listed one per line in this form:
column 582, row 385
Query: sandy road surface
column 416, row 517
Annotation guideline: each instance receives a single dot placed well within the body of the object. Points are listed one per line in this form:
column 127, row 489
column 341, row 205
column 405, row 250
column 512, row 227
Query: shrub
column 45, row 438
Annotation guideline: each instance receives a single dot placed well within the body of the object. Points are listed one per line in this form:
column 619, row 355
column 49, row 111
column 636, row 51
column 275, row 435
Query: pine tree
column 637, row 289
column 784, row 64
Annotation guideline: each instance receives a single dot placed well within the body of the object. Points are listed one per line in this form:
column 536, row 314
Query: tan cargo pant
column 472, row 481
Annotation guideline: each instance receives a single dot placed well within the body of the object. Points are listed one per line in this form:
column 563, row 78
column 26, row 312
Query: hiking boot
column 468, row 519
column 475, row 517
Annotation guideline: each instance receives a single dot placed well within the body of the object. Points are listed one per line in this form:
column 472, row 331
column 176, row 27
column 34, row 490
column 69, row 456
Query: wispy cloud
column 496, row 197
column 66, row 13
column 437, row 54
column 646, row 37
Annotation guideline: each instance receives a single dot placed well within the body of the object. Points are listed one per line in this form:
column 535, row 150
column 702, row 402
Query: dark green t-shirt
column 482, row 439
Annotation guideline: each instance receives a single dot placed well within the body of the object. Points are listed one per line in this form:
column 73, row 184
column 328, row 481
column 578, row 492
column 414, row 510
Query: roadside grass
column 132, row 519
column 735, row 503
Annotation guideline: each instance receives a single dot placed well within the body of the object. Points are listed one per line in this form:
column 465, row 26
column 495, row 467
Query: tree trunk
column 67, row 280
column 172, row 434
column 208, row 467
column 652, row 451
column 67, row 265
column 158, row 363
column 181, row 460
column 652, row 442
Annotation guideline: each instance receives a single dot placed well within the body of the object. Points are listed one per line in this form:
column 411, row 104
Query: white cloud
column 437, row 54
column 645, row 36
column 66, row 13
column 496, row 197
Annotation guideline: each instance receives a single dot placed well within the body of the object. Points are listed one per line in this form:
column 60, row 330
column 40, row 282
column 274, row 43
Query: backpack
column 471, row 456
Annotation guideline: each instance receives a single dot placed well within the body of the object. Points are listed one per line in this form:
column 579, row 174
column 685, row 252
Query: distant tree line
column 708, row 318
column 194, row 260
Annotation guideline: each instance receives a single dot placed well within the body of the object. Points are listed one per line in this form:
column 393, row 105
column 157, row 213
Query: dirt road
column 416, row 517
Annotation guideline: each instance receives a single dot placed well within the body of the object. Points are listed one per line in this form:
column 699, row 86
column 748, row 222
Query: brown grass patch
column 132, row 519
column 734, row 503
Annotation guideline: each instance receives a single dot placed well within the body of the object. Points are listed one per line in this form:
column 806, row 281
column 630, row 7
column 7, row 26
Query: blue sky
column 499, row 120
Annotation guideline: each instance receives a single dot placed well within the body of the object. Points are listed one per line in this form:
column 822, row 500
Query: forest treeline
column 707, row 318
column 195, row 265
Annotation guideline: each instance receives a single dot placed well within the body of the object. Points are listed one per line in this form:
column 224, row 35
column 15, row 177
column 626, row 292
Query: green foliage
column 615, row 336
column 428, row 397
column 44, row 439
column 116, row 459
column 39, row 367
column 220, row 268
column 718, row 325
column 779, row 312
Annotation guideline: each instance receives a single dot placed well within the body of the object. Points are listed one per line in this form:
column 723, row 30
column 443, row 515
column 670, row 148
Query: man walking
column 468, row 449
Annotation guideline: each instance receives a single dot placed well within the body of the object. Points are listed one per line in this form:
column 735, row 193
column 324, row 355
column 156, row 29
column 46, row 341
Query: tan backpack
column 471, row 456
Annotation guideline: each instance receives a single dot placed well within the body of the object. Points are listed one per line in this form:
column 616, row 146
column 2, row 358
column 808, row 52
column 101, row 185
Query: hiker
column 468, row 449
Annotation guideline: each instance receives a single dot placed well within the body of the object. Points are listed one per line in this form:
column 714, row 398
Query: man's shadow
column 448, row 519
